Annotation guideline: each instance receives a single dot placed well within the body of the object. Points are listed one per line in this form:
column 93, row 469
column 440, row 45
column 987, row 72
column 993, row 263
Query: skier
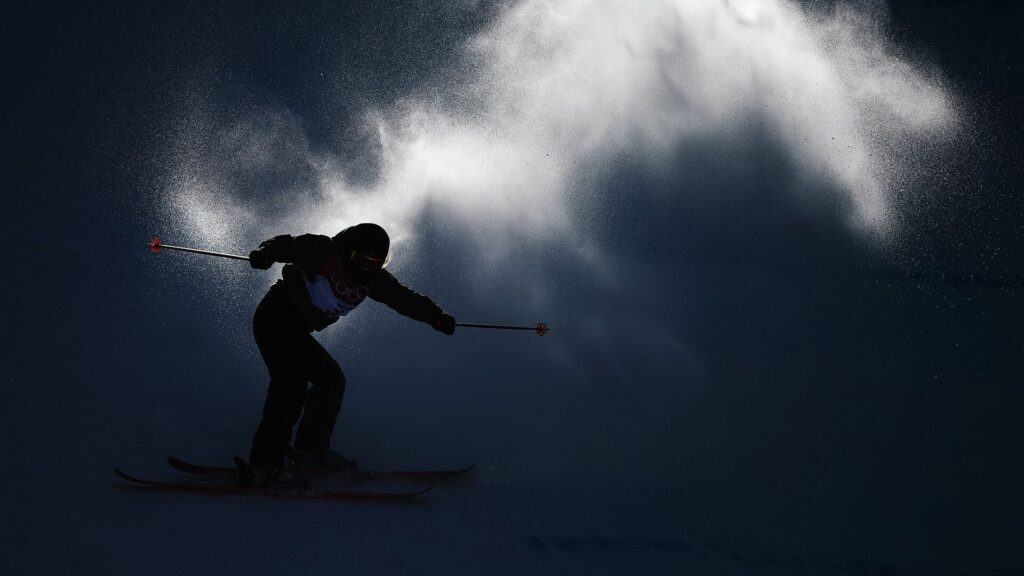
column 323, row 279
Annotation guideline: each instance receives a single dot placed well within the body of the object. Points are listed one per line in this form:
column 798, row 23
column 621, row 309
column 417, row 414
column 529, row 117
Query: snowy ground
column 864, row 461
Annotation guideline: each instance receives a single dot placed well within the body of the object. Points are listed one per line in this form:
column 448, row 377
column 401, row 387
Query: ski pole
column 156, row 245
column 541, row 328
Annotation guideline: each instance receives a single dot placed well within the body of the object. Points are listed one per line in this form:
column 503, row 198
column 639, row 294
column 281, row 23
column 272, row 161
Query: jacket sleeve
column 386, row 289
column 307, row 251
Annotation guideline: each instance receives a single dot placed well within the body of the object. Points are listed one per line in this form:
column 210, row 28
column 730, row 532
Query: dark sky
column 740, row 379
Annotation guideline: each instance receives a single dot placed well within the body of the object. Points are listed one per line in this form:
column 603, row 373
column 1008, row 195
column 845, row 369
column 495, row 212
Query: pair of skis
column 309, row 493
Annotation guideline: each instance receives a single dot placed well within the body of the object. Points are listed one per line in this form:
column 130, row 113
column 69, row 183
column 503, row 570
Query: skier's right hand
column 260, row 259
column 445, row 323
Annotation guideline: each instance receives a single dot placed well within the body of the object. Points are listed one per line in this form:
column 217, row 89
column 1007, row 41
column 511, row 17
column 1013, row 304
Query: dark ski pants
column 294, row 359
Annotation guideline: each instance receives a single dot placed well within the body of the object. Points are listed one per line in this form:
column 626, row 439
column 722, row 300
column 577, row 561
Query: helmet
column 366, row 245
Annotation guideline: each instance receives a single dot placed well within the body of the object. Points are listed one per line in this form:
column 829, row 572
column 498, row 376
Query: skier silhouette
column 323, row 279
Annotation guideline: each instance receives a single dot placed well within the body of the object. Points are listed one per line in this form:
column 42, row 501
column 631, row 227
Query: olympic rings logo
column 348, row 292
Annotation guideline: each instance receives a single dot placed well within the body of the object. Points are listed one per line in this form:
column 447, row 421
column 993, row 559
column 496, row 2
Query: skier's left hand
column 261, row 259
column 445, row 323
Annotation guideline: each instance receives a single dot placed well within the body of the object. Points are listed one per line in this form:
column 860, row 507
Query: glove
column 445, row 323
column 260, row 259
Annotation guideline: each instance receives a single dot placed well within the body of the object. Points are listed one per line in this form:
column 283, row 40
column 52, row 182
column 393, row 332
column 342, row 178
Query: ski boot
column 279, row 478
column 326, row 460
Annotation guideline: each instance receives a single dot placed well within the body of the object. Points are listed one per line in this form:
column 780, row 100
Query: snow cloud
column 510, row 139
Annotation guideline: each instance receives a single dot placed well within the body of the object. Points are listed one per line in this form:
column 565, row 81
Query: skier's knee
column 334, row 375
column 333, row 381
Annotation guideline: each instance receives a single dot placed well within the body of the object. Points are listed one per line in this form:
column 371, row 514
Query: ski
column 308, row 494
column 357, row 474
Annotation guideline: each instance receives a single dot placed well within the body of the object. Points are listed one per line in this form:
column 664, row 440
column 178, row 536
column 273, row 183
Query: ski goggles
column 365, row 262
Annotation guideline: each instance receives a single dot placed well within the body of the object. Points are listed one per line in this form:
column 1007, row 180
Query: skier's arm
column 304, row 250
column 277, row 249
column 386, row 289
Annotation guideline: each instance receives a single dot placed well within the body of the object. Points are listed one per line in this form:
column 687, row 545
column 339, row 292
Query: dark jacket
column 323, row 286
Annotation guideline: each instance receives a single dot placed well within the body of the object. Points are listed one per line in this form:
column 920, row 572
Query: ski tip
column 400, row 496
column 125, row 476
column 182, row 466
column 455, row 474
